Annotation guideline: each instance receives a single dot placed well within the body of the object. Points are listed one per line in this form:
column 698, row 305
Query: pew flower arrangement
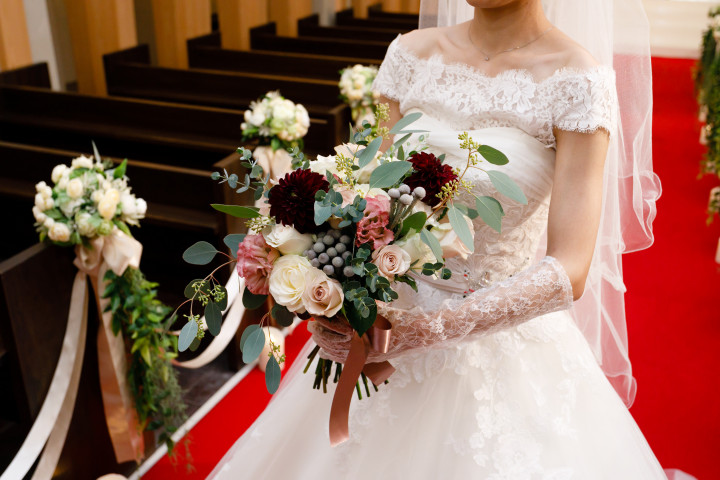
column 276, row 121
column 340, row 233
column 707, row 87
column 90, row 206
column 356, row 90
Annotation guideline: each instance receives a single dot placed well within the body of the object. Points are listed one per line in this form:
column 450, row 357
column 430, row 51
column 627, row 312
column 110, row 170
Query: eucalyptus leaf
column 432, row 242
column 369, row 152
column 404, row 122
column 388, row 174
column 399, row 142
column 213, row 318
column 233, row 242
column 253, row 346
column 252, row 301
column 195, row 344
column 190, row 290
column 490, row 211
column 272, row 375
column 322, row 213
column 246, row 333
column 460, row 227
column 361, row 323
column 492, row 155
column 507, row 186
column 187, row 335
column 237, row 210
column 200, row 253
column 416, row 222
column 282, row 315
column 222, row 304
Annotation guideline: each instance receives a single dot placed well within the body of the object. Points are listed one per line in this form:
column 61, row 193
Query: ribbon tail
column 340, row 409
column 120, row 414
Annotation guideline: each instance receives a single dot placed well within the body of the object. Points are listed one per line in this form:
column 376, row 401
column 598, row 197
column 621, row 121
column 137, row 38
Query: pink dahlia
column 373, row 228
column 255, row 262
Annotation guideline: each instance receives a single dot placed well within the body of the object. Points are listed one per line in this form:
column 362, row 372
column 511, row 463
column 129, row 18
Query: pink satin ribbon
column 115, row 252
column 355, row 365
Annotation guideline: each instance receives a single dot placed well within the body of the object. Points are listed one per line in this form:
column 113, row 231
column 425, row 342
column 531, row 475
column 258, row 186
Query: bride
column 507, row 370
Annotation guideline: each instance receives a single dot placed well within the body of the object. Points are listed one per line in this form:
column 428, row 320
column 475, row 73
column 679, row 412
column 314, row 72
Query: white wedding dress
column 527, row 402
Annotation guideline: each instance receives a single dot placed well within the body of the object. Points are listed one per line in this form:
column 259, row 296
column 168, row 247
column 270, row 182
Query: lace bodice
column 466, row 99
column 456, row 97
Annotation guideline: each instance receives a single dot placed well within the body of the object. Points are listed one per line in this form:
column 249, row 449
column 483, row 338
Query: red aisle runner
column 672, row 309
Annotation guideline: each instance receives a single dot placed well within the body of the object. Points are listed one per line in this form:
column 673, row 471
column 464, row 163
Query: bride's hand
column 333, row 337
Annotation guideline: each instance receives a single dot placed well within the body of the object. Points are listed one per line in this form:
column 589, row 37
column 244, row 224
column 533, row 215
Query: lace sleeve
column 395, row 74
column 540, row 289
column 584, row 101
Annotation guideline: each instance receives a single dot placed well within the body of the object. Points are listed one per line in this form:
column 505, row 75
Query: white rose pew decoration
column 89, row 207
column 279, row 125
column 356, row 90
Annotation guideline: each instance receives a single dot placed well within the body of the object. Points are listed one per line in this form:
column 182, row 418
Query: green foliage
column 201, row 253
column 389, row 174
column 506, row 186
column 142, row 320
column 237, row 210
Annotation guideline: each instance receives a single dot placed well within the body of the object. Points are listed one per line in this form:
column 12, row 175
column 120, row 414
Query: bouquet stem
column 323, row 369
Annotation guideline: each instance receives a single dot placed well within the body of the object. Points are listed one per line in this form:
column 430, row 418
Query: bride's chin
column 491, row 3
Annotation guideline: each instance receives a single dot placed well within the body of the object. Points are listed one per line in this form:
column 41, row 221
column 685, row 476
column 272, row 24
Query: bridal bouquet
column 339, row 233
column 356, row 90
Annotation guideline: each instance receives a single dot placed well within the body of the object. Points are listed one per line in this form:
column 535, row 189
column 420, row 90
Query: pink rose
column 373, row 227
column 391, row 260
column 255, row 262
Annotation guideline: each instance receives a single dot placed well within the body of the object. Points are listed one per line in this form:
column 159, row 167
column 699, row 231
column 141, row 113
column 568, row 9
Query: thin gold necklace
column 495, row 54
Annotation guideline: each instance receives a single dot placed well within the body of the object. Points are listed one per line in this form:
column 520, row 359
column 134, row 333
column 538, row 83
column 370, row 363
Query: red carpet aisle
column 672, row 306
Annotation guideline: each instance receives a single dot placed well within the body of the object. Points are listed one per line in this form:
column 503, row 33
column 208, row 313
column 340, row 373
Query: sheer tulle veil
column 616, row 33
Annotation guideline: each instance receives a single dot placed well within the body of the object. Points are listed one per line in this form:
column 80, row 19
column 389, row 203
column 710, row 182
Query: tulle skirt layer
column 526, row 403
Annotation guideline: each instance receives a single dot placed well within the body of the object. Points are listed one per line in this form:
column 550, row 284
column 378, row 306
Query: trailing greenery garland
column 143, row 321
column 707, row 87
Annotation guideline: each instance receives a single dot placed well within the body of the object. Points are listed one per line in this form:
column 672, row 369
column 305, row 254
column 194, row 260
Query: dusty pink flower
column 255, row 262
column 373, row 227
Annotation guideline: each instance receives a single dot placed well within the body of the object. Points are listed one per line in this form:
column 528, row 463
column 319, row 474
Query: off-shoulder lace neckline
column 511, row 72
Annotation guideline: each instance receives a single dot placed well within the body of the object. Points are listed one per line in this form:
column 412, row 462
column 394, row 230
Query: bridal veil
column 616, row 33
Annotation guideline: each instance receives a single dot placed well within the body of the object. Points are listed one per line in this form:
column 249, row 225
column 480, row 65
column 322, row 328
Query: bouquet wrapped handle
column 378, row 339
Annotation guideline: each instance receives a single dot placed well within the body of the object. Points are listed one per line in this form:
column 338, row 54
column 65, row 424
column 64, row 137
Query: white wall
column 676, row 26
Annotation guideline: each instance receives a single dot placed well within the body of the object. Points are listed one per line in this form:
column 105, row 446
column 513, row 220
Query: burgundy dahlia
column 430, row 174
column 292, row 200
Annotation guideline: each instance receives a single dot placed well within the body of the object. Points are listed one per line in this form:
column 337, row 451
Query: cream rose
column 391, row 260
column 324, row 164
column 287, row 281
column 75, row 188
column 286, row 239
column 419, row 252
column 58, row 172
column 59, row 232
column 84, row 227
column 323, row 296
column 451, row 244
column 108, row 204
column 82, row 162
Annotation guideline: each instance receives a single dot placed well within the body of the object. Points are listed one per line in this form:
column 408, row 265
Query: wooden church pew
column 265, row 38
column 205, row 52
column 346, row 18
column 173, row 134
column 310, row 27
column 376, row 11
column 129, row 74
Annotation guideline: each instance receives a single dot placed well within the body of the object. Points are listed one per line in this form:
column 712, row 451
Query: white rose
column 288, row 240
column 451, row 244
column 284, row 112
column 127, row 201
column 108, row 204
column 391, row 260
column 75, row 188
column 323, row 296
column 69, row 206
column 40, row 217
column 62, row 184
column 302, row 117
column 40, row 201
column 58, row 172
column 84, row 226
column 287, row 281
column 82, row 162
column 59, row 232
column 324, row 164
column 40, row 187
column 48, row 223
column 140, row 208
column 417, row 249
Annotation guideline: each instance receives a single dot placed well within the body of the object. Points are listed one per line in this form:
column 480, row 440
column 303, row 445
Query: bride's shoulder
column 425, row 42
column 567, row 53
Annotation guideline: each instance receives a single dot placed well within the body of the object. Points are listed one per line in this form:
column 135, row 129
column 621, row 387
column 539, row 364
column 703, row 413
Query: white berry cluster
column 86, row 201
column 275, row 116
